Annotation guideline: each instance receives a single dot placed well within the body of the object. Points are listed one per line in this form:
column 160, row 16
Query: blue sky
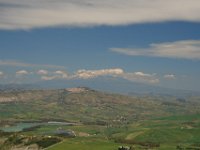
column 158, row 48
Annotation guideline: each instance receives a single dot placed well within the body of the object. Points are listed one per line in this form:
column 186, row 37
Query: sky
column 154, row 42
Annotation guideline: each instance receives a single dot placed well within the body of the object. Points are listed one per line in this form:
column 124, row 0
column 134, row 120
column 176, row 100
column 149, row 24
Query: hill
column 87, row 105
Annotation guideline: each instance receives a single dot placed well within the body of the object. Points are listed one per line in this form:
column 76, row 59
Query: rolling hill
column 87, row 105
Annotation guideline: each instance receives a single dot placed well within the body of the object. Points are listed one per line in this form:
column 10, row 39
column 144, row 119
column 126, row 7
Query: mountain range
column 107, row 84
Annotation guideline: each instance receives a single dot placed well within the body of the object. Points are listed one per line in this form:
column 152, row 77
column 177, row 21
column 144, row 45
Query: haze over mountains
column 106, row 84
column 121, row 86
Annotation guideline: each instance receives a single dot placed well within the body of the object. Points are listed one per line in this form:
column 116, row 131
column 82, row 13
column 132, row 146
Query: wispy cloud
column 63, row 74
column 23, row 14
column 170, row 76
column 56, row 75
column 187, row 49
column 47, row 78
column 24, row 64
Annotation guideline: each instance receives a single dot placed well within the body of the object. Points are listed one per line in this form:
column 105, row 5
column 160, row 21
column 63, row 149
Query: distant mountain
column 107, row 84
column 116, row 85
column 17, row 87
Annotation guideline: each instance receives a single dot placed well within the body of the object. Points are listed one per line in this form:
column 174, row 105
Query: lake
column 26, row 125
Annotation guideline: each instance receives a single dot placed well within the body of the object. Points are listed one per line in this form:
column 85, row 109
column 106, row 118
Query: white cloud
column 56, row 75
column 87, row 74
column 141, row 77
column 187, row 49
column 42, row 72
column 23, row 14
column 170, row 76
column 22, row 72
column 13, row 63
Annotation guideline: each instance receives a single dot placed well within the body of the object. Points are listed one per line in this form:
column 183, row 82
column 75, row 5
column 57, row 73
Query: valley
column 87, row 119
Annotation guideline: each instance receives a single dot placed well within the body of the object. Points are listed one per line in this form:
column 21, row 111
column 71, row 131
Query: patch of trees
column 14, row 140
column 145, row 144
column 183, row 100
column 31, row 128
column 170, row 104
column 192, row 147
column 44, row 142
column 41, row 141
column 91, row 122
column 2, row 133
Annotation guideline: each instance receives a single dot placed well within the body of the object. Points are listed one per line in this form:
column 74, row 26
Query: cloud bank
column 113, row 72
column 187, row 49
column 87, row 74
column 23, row 14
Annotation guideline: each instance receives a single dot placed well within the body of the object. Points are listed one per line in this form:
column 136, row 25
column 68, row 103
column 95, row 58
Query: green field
column 85, row 144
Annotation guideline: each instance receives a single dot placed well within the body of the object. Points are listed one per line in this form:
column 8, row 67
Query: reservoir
column 26, row 125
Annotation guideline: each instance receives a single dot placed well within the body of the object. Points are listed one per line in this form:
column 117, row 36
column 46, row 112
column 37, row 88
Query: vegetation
column 43, row 142
column 102, row 121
